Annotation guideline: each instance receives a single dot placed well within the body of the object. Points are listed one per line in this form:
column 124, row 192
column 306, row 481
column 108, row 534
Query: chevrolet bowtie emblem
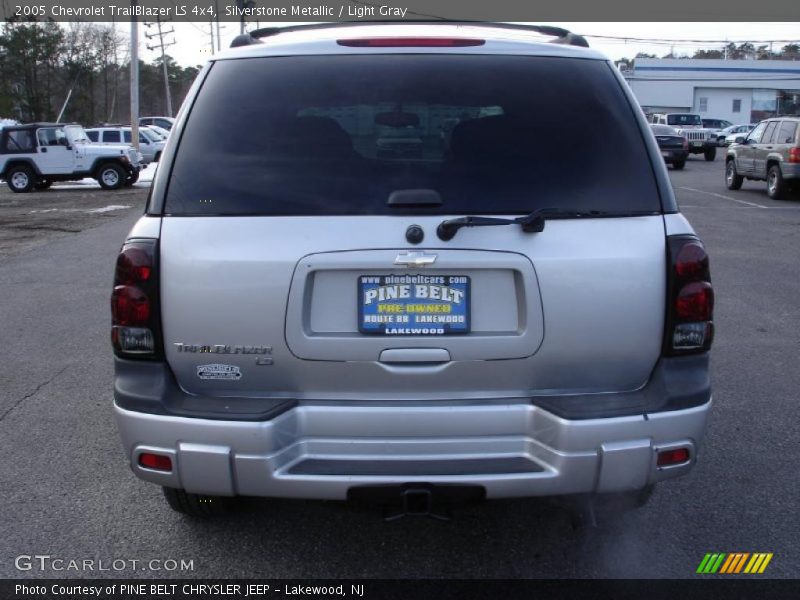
column 415, row 259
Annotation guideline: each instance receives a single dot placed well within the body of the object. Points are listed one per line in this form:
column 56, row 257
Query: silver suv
column 151, row 145
column 499, row 314
column 770, row 152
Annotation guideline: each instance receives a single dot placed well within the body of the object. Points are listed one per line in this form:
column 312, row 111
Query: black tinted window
column 111, row 136
column 338, row 134
column 92, row 135
column 19, row 140
column 684, row 120
column 663, row 130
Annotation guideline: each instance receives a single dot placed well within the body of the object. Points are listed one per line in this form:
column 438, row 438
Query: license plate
column 415, row 305
column 697, row 143
column 666, row 153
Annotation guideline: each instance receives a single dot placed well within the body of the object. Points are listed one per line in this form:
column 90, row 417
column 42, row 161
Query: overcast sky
column 194, row 43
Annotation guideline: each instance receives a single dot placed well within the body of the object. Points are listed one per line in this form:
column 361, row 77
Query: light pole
column 134, row 78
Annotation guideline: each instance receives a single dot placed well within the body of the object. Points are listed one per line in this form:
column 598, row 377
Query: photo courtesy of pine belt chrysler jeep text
column 373, row 265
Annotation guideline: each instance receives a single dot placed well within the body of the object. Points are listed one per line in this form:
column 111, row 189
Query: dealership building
column 740, row 91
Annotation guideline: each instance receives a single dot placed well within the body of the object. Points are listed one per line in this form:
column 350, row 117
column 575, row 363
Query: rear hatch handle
column 414, row 355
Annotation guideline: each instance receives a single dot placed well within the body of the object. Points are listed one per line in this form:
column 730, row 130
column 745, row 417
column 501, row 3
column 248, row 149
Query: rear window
column 336, row 135
column 19, row 141
column 663, row 130
column 684, row 120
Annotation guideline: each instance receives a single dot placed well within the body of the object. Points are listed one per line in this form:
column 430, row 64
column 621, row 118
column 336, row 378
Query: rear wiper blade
column 530, row 223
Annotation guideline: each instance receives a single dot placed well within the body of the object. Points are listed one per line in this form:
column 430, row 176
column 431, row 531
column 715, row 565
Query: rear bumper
column 512, row 449
column 790, row 170
column 673, row 154
column 696, row 148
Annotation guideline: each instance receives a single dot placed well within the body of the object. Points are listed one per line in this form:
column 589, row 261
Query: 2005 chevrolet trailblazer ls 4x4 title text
column 307, row 311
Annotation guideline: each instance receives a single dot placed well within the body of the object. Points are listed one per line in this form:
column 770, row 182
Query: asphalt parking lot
column 67, row 491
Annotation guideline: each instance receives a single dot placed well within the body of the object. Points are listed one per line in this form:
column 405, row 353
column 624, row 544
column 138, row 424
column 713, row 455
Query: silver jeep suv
column 509, row 312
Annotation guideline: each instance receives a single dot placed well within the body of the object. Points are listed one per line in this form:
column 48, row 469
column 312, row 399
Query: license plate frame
column 435, row 322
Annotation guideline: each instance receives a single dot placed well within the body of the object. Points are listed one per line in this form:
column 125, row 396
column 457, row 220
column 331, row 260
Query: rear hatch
column 289, row 261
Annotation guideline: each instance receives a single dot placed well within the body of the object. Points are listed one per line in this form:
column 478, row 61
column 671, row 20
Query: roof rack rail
column 561, row 35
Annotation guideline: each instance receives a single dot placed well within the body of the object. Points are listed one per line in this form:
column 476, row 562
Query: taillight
column 157, row 462
column 794, row 155
column 135, row 329
column 690, row 298
column 410, row 42
column 669, row 458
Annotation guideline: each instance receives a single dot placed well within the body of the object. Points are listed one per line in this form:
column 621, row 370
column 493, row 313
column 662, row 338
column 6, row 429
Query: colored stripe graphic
column 734, row 563
column 763, row 565
column 728, row 563
column 735, row 556
column 755, row 562
column 740, row 563
column 703, row 563
column 717, row 564
column 711, row 563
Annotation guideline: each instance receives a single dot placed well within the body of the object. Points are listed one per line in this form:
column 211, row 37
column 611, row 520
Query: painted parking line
column 724, row 197
column 90, row 211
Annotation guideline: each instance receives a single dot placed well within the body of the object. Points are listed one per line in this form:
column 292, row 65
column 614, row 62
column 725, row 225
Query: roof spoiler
column 561, row 36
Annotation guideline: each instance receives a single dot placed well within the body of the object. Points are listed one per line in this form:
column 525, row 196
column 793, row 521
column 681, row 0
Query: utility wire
column 676, row 41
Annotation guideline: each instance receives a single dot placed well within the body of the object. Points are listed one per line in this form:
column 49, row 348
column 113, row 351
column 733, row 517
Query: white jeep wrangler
column 33, row 156
column 701, row 139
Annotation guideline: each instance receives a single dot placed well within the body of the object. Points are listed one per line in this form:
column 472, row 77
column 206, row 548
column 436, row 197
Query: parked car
column 715, row 125
column 35, row 155
column 735, row 132
column 150, row 145
column 163, row 133
column 164, row 122
column 674, row 146
column 511, row 316
column 770, row 152
column 701, row 140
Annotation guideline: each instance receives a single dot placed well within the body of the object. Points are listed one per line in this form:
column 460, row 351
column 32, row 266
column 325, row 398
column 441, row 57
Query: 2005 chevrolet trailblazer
column 510, row 310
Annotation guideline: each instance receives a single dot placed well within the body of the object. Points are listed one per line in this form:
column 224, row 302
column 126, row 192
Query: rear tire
column 197, row 506
column 733, row 181
column 111, row 176
column 132, row 179
column 776, row 185
column 710, row 154
column 20, row 179
column 678, row 165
